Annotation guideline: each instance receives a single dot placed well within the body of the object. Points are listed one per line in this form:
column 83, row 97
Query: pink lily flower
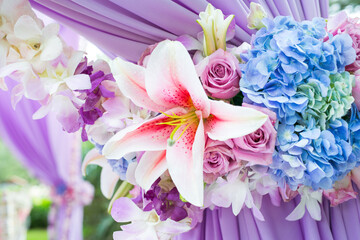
column 175, row 139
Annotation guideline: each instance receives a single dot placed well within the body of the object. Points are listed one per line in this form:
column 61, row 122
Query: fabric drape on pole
column 54, row 157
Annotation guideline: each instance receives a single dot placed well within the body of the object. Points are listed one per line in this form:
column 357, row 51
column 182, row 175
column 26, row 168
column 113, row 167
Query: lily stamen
column 178, row 121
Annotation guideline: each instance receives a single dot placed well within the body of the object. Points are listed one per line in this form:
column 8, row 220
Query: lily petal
column 185, row 163
column 131, row 81
column 148, row 136
column 151, row 166
column 171, row 79
column 108, row 180
column 228, row 121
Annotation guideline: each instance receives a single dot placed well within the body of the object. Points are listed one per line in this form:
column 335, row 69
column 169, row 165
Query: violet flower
column 92, row 110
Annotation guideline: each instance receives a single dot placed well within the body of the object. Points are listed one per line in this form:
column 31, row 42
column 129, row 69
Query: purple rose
column 219, row 159
column 220, row 74
column 258, row 147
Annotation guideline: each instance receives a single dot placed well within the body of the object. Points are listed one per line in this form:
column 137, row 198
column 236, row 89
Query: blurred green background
column 98, row 224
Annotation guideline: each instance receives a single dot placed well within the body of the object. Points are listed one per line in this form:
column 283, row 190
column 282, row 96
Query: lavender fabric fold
column 337, row 223
column 125, row 28
column 48, row 152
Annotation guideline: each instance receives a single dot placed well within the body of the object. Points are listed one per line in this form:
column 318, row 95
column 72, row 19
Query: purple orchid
column 92, row 110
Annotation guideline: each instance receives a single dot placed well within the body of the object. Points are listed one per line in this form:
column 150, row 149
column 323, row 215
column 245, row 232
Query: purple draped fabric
column 51, row 154
column 126, row 27
column 338, row 223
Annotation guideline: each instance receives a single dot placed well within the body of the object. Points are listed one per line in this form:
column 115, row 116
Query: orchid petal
column 313, row 208
column 14, row 67
column 131, row 81
column 171, row 79
column 240, row 196
column 26, row 28
column 227, row 121
column 125, row 210
column 16, row 94
column 52, row 49
column 66, row 113
column 51, row 30
column 151, row 135
column 130, row 173
column 33, row 87
column 42, row 112
column 298, row 212
column 185, row 163
column 151, row 166
column 76, row 58
column 108, row 181
column 78, row 82
column 137, row 231
column 4, row 48
column 172, row 227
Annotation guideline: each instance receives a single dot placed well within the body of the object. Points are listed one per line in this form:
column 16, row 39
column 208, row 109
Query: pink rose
column 342, row 191
column 219, row 159
column 258, row 147
column 341, row 23
column 220, row 74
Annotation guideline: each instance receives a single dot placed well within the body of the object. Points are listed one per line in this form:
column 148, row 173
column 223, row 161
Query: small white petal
column 52, row 48
column 78, row 82
column 27, row 29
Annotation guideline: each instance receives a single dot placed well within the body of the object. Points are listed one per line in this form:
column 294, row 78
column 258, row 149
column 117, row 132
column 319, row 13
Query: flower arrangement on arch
column 207, row 126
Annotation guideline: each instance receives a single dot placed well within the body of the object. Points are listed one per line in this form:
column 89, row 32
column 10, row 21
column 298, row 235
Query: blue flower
column 120, row 166
column 344, row 52
column 287, row 54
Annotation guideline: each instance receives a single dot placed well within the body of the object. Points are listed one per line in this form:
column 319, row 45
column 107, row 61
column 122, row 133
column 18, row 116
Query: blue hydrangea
column 354, row 127
column 294, row 72
column 313, row 157
column 287, row 54
column 119, row 166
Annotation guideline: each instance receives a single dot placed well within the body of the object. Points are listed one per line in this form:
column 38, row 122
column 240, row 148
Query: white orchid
column 144, row 225
column 309, row 199
column 234, row 191
column 32, row 39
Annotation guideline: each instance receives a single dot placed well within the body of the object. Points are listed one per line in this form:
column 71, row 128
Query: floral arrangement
column 200, row 123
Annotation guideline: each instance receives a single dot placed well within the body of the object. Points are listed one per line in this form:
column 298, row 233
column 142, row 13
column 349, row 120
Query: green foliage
column 37, row 234
column 10, row 167
column 39, row 214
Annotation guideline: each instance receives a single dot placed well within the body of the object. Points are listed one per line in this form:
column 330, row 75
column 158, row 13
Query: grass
column 37, row 234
